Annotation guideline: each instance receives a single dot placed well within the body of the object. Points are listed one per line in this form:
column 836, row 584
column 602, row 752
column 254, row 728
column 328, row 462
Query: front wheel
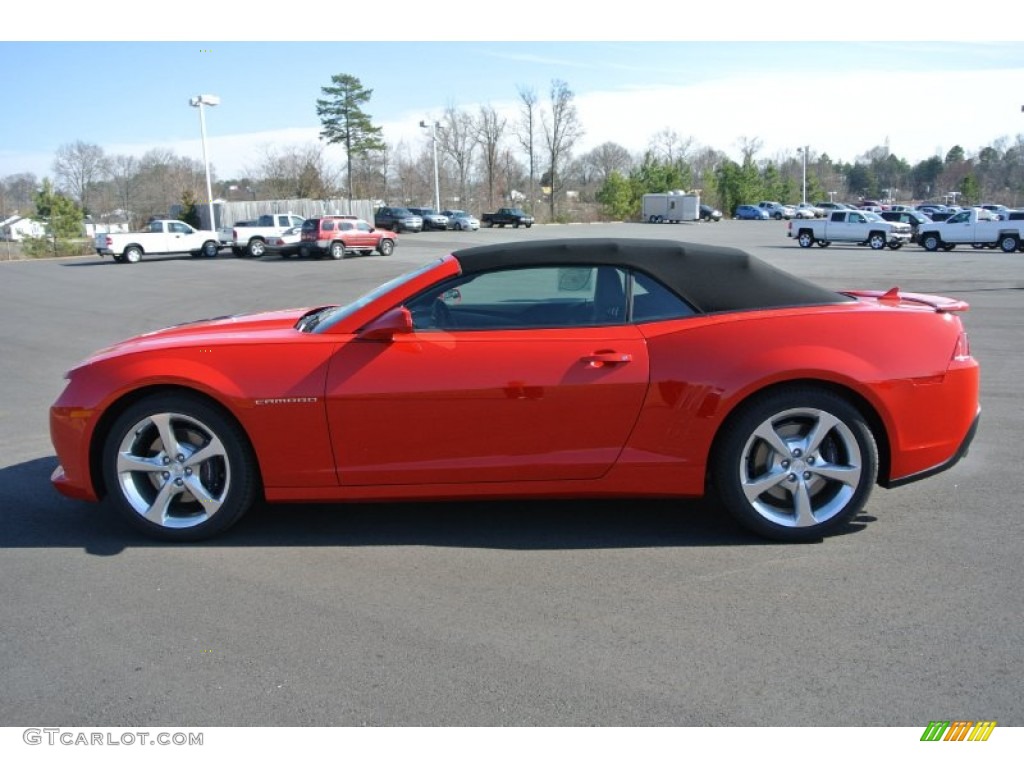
column 876, row 241
column 210, row 249
column 795, row 464
column 178, row 468
column 386, row 247
column 805, row 239
column 931, row 241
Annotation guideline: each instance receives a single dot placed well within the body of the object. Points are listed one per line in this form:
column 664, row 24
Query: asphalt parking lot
column 569, row 613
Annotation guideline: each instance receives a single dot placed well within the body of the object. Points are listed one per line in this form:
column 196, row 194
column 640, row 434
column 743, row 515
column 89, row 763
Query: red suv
column 335, row 235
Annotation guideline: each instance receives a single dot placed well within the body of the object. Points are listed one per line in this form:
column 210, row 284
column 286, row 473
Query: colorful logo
column 958, row 730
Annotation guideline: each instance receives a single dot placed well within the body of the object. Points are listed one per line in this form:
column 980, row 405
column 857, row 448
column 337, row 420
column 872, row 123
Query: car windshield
column 322, row 319
column 872, row 216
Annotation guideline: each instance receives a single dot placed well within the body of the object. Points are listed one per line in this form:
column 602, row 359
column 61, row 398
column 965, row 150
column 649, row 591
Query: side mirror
column 392, row 323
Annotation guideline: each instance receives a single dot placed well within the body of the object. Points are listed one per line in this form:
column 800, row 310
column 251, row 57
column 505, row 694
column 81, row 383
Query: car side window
column 653, row 301
column 523, row 298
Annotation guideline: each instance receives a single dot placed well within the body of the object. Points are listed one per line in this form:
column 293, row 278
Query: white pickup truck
column 861, row 227
column 976, row 227
column 160, row 236
column 252, row 241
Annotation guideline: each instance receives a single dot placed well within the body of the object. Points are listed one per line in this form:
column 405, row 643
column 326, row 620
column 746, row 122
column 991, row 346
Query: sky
column 127, row 89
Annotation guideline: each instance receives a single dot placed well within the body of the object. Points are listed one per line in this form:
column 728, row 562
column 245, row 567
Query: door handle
column 599, row 359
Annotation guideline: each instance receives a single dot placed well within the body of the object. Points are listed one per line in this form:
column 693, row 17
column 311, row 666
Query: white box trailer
column 672, row 207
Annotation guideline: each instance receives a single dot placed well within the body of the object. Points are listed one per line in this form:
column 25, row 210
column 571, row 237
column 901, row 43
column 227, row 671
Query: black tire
column 783, row 480
column 824, row 243
column 1009, row 243
column 256, row 248
column 778, row 216
column 304, row 252
column 528, row 225
column 237, row 251
column 365, row 251
column 805, row 239
column 877, row 241
column 515, row 225
column 337, row 250
column 895, row 246
column 948, row 246
column 931, row 241
column 132, row 254
column 457, row 227
column 210, row 249
column 386, row 247
column 166, row 493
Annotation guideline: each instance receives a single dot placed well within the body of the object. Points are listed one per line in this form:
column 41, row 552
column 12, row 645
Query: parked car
column 914, row 218
column 809, row 211
column 792, row 413
column 161, row 236
column 707, row 213
column 861, row 227
column 251, row 239
column 286, row 244
column 461, row 220
column 431, row 218
column 778, row 210
column 337, row 235
column 513, row 217
column 397, row 219
column 751, row 212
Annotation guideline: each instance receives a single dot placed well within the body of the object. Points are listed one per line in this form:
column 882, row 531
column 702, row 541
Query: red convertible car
column 562, row 368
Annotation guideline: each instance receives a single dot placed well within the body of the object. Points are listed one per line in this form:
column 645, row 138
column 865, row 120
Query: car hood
column 212, row 331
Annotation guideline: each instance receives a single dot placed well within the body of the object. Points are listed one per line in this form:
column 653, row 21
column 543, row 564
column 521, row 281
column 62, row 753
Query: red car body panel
column 626, row 410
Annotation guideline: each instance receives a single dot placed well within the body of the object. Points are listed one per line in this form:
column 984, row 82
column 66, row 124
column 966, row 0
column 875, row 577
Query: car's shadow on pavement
column 34, row 515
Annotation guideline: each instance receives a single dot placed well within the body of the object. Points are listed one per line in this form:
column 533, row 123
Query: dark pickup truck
column 513, row 216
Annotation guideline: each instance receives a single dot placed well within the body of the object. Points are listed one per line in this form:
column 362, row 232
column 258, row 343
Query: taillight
column 110, row 241
column 234, row 234
column 962, row 350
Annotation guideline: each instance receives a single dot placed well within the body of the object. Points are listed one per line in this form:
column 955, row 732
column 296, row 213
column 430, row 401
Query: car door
column 517, row 375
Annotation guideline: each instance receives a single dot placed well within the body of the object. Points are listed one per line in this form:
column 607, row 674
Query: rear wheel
column 337, row 250
column 256, row 248
column 795, row 464
column 177, row 468
column 132, row 254
column 805, row 239
column 1009, row 243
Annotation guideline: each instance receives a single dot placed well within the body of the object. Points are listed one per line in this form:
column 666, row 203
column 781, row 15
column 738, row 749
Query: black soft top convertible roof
column 711, row 278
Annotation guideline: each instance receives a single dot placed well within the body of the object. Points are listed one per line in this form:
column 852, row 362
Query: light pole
column 209, row 101
column 803, row 151
column 437, row 184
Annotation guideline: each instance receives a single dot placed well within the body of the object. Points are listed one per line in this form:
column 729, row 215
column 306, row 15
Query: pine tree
column 344, row 121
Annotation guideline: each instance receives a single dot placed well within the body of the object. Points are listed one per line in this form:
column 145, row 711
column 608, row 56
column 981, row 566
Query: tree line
column 486, row 159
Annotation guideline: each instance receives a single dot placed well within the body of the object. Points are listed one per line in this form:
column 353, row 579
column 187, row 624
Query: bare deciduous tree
column 298, row 171
column 124, row 171
column 668, row 146
column 79, row 167
column 457, row 140
column 562, row 130
column 526, row 132
column 490, row 129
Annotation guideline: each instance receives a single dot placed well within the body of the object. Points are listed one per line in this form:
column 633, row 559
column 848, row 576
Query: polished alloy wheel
column 173, row 470
column 800, row 467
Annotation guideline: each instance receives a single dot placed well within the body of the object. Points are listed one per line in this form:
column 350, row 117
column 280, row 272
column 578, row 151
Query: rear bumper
column 964, row 447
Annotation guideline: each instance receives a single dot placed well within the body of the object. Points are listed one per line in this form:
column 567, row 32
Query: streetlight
column 803, row 151
column 210, row 101
column 437, row 184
